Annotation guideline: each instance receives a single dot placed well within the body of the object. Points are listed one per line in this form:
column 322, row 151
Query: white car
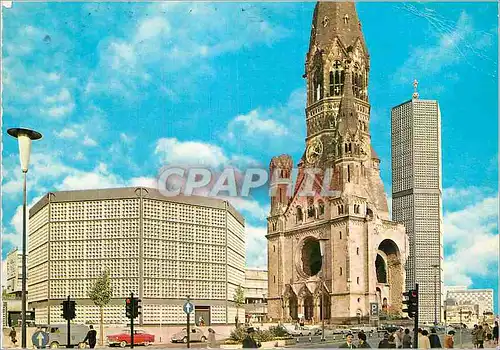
column 298, row 331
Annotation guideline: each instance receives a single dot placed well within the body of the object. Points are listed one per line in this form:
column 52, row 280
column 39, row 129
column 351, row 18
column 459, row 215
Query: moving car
column 298, row 331
column 123, row 338
column 195, row 334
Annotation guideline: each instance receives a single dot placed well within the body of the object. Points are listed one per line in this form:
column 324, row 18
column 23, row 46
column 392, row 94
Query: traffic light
column 132, row 307
column 129, row 305
column 411, row 302
column 69, row 307
column 136, row 307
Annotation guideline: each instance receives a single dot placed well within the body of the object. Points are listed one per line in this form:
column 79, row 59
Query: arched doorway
column 389, row 271
column 308, row 308
column 294, row 307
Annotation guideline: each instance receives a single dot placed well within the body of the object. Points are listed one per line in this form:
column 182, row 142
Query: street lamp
column 322, row 248
column 24, row 138
column 436, row 267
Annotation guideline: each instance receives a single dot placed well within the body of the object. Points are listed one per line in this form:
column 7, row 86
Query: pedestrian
column 384, row 343
column 474, row 336
column 434, row 339
column 423, row 340
column 348, row 342
column 12, row 336
column 91, row 337
column 362, row 341
column 407, row 339
column 480, row 337
column 212, row 342
column 399, row 338
column 487, row 333
column 249, row 341
column 495, row 333
column 449, row 340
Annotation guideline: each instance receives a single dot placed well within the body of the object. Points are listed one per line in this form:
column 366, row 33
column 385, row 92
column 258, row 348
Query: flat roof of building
column 132, row 193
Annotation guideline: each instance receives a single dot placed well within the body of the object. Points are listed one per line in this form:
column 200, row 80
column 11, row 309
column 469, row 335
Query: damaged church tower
column 341, row 245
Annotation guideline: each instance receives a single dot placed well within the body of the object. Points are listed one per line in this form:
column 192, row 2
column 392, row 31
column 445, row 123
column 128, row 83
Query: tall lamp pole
column 24, row 138
column 436, row 267
column 322, row 247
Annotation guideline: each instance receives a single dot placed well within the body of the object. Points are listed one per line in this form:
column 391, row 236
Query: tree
column 239, row 299
column 101, row 294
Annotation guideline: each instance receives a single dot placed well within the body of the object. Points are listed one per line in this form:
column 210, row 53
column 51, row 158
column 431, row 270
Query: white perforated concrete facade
column 416, row 197
column 160, row 248
column 14, row 272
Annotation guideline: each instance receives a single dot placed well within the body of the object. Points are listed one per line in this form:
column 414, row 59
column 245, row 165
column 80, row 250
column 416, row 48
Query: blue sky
column 120, row 89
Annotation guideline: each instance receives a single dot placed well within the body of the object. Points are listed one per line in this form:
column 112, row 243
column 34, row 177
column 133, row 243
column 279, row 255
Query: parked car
column 195, row 334
column 298, row 331
column 123, row 339
column 314, row 330
column 58, row 335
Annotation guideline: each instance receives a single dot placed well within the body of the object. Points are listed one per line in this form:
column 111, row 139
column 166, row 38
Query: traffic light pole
column 415, row 332
column 188, row 331
column 132, row 301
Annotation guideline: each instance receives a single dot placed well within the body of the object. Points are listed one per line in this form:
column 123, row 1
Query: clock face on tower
column 314, row 150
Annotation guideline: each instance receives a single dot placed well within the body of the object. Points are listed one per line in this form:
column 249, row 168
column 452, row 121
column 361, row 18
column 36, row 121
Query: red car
column 123, row 339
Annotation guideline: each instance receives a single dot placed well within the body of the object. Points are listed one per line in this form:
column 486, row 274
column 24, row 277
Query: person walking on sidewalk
column 407, row 339
column 212, row 342
column 12, row 336
column 91, row 337
column 449, row 341
column 434, row 339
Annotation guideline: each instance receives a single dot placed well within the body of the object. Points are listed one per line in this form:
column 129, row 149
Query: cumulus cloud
column 280, row 126
column 256, row 246
column 470, row 237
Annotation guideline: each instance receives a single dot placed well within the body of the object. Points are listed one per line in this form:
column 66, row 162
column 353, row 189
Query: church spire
column 335, row 19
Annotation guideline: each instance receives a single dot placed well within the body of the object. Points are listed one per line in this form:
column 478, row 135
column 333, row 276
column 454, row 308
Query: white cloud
column 87, row 141
column 279, row 126
column 471, row 236
column 144, row 182
column 66, row 133
column 256, row 246
column 174, row 152
column 248, row 207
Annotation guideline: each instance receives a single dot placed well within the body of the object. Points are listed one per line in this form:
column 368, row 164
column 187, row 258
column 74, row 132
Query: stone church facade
column 364, row 252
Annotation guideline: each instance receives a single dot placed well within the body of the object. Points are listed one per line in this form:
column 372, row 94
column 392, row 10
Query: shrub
column 238, row 334
column 279, row 332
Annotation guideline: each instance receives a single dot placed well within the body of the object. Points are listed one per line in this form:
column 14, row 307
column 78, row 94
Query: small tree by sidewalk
column 101, row 294
column 239, row 299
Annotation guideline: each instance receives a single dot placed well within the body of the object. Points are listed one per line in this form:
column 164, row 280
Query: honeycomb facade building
column 343, row 204
column 417, row 197
column 162, row 249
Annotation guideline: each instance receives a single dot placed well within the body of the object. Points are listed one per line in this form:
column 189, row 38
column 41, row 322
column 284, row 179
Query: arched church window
column 357, row 250
column 336, row 76
column 321, row 208
column 340, row 234
column 340, row 271
column 310, row 211
column 350, row 149
column 299, row 214
column 332, row 84
column 342, row 79
column 380, row 269
column 317, row 86
column 274, row 248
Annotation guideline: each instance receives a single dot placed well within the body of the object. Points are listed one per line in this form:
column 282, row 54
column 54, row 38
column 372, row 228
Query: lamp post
column 322, row 247
column 436, row 267
column 24, row 138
